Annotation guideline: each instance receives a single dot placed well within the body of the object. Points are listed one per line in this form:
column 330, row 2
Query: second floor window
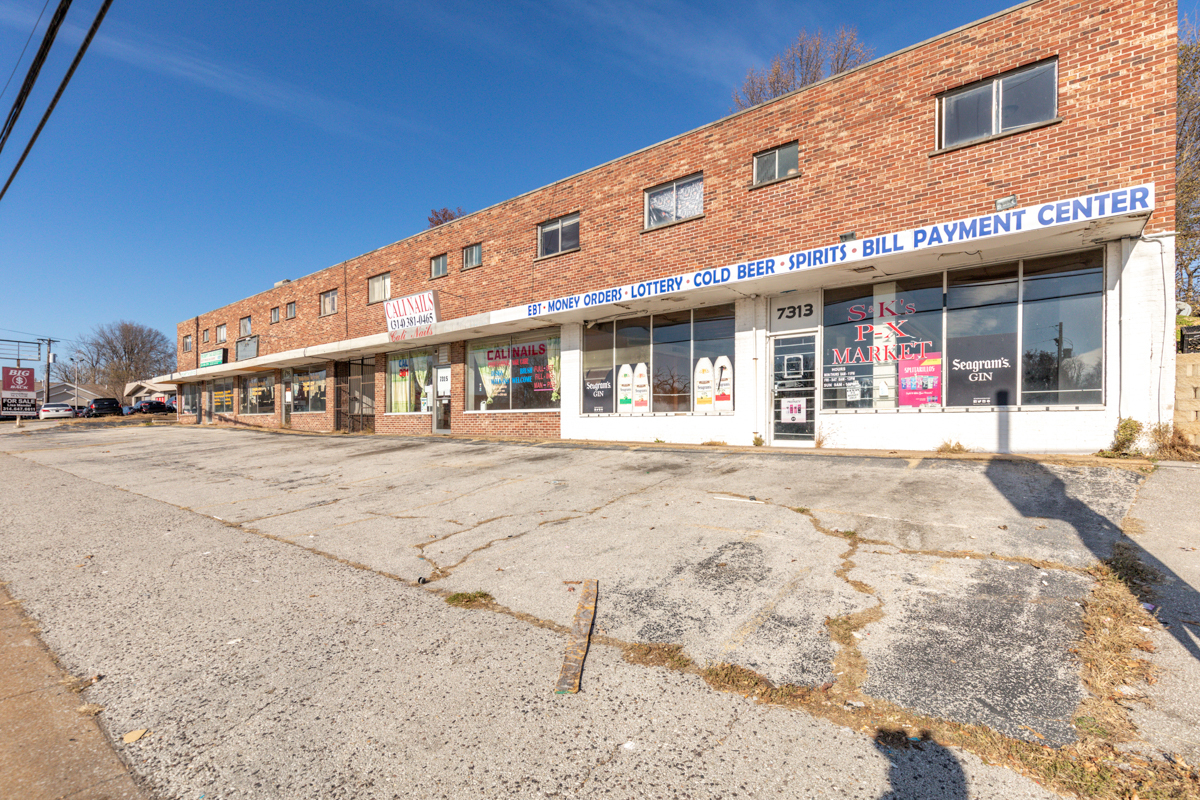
column 379, row 288
column 558, row 235
column 1004, row 103
column 773, row 165
column 187, row 344
column 329, row 302
column 674, row 201
column 437, row 266
column 244, row 327
column 291, row 310
column 472, row 256
column 206, row 334
column 220, row 333
column 274, row 315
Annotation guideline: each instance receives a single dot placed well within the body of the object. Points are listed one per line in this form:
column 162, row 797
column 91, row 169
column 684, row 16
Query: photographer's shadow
column 920, row 768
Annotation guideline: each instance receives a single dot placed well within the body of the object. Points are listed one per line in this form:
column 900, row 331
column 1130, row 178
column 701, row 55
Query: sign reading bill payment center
column 412, row 316
column 1135, row 200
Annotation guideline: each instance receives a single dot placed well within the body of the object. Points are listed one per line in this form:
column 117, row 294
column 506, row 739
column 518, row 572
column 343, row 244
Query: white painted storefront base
column 1139, row 359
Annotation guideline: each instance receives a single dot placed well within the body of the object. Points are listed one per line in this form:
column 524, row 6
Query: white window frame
column 206, row 335
column 437, row 266
column 672, row 184
column 328, row 302
column 775, row 152
column 558, row 223
column 275, row 315
column 290, row 312
column 220, row 333
column 187, row 343
column 477, row 247
column 244, row 327
column 997, row 84
column 373, row 290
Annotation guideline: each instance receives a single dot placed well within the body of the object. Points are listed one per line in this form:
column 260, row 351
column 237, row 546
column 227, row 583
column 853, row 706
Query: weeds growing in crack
column 670, row 656
column 475, row 599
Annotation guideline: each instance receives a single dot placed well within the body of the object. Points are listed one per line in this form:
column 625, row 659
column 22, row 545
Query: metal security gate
column 354, row 395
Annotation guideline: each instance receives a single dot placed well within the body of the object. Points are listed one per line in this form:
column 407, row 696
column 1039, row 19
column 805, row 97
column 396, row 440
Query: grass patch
column 713, row 443
column 670, row 656
column 951, row 447
column 475, row 599
column 1170, row 444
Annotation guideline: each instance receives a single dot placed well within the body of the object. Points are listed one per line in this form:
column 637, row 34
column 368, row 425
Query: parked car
column 56, row 411
column 104, row 407
column 127, row 410
column 152, row 407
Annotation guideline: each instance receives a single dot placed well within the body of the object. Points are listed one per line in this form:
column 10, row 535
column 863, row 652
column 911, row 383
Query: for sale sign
column 18, row 397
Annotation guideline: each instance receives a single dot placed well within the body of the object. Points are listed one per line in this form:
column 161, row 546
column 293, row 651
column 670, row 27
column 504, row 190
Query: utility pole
column 46, row 382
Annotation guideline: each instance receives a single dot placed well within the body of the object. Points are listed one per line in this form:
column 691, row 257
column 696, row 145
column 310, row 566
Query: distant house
column 146, row 390
column 76, row 395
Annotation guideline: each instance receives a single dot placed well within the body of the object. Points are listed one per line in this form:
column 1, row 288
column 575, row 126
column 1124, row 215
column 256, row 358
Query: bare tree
column 806, row 60
column 127, row 351
column 444, row 215
column 81, row 364
column 1187, row 167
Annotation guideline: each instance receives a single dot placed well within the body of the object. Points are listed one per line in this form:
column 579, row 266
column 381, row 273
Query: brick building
column 968, row 240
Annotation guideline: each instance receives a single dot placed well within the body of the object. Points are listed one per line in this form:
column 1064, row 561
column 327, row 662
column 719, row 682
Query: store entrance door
column 208, row 402
column 441, row 400
column 287, row 398
column 354, row 401
column 794, row 389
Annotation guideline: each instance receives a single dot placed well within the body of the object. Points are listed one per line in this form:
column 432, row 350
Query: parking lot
column 187, row 566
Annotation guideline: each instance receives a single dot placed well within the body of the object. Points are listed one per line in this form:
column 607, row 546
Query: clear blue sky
column 204, row 151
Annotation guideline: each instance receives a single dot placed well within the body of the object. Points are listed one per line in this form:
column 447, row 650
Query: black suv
column 152, row 407
column 104, row 407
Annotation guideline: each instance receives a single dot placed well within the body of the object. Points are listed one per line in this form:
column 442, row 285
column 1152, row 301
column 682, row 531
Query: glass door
column 287, row 397
column 794, row 388
column 441, row 403
column 208, row 401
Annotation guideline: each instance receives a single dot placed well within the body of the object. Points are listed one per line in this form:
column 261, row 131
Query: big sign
column 412, row 316
column 18, row 395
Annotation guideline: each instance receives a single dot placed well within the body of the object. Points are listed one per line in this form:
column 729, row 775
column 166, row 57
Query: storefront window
column 222, row 390
column 677, row 362
column 877, row 335
column 599, row 390
column 518, row 373
column 409, row 382
column 258, row 395
column 981, row 336
column 1062, row 330
column 191, row 398
column 308, row 391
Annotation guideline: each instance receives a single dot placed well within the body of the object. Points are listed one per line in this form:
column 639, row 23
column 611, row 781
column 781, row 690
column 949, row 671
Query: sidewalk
column 49, row 750
column 1169, row 514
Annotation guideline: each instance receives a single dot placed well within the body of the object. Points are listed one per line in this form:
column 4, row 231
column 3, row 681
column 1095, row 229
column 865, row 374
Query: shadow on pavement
column 920, row 769
column 1035, row 491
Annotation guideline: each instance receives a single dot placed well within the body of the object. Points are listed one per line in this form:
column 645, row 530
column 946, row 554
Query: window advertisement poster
column 598, row 391
column 641, row 388
column 492, row 365
column 703, row 386
column 921, row 380
column 793, row 409
column 625, row 389
column 723, row 400
column 982, row 371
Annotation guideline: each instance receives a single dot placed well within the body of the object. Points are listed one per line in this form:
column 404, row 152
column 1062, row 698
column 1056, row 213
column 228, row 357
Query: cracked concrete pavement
column 971, row 630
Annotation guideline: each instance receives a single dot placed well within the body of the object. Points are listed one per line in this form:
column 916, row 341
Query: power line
column 45, row 5
column 35, row 69
column 61, row 87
